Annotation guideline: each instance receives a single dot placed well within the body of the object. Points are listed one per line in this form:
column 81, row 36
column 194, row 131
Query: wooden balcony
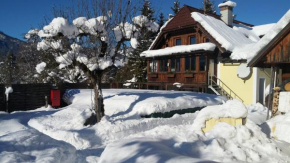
column 185, row 78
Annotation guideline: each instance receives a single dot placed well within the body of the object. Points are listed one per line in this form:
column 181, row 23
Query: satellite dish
column 243, row 71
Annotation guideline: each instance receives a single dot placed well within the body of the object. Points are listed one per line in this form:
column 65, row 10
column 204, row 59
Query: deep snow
column 48, row 135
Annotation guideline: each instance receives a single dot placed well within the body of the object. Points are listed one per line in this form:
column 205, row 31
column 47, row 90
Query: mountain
column 9, row 43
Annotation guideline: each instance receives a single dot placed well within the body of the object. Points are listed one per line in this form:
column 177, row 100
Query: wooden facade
column 276, row 54
column 183, row 28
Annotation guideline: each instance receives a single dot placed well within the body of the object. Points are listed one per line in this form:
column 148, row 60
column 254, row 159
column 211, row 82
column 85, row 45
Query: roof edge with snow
column 179, row 50
column 277, row 30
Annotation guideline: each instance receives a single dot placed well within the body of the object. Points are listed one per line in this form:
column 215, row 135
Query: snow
column 50, row 135
column 7, row 91
column 284, row 102
column 133, row 80
column 128, row 31
column 134, row 43
column 230, row 109
column 224, row 143
column 179, row 49
column 279, row 127
column 257, row 113
column 261, row 30
column 120, row 105
column 243, row 71
column 178, row 85
column 58, row 25
column 227, row 3
column 140, row 20
column 45, row 45
column 229, row 38
column 251, row 52
column 93, row 26
column 31, row 33
column 40, row 67
column 124, row 30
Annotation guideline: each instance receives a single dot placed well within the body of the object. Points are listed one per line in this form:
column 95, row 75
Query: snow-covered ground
column 48, row 135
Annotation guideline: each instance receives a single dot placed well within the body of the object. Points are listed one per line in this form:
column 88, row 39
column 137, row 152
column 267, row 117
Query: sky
column 19, row 16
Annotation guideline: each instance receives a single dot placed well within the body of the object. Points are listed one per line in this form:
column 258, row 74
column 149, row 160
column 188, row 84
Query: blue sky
column 18, row 16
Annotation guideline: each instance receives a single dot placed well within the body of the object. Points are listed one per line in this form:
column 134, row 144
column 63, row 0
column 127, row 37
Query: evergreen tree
column 209, row 6
column 176, row 7
column 147, row 10
column 136, row 65
column 161, row 20
column 9, row 70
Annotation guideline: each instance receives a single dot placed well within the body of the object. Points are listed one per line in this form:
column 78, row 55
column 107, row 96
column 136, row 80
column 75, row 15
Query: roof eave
column 273, row 42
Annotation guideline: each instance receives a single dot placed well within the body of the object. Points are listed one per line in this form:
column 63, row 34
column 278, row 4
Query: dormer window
column 177, row 41
column 192, row 40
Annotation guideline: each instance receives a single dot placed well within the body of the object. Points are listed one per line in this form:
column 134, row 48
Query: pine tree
column 161, row 20
column 136, row 64
column 176, row 7
column 9, row 69
column 147, row 10
column 208, row 6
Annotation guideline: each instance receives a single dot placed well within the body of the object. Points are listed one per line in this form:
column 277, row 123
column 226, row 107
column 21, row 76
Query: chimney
column 226, row 10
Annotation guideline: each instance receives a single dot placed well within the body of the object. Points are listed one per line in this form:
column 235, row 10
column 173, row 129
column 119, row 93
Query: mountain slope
column 9, row 43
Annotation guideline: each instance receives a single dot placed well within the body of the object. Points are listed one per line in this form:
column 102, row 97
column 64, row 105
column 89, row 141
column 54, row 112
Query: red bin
column 55, row 98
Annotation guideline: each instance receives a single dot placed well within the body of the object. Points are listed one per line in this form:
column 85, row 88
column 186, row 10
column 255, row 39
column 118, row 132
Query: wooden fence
column 2, row 98
column 28, row 96
column 32, row 96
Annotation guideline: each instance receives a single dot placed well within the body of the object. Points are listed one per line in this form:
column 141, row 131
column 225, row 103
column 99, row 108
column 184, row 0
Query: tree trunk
column 99, row 100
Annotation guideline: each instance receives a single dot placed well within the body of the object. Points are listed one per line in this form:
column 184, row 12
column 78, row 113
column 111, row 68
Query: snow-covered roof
column 161, row 28
column 275, row 30
column 178, row 49
column 228, row 3
column 239, row 39
column 229, row 38
column 261, row 30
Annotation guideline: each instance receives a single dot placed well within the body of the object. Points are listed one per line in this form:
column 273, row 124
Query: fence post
column 6, row 100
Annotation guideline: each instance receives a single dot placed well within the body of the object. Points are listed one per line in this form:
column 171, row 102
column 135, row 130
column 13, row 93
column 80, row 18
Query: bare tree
column 95, row 44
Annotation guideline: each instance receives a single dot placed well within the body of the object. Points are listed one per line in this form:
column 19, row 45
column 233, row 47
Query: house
column 273, row 51
column 207, row 53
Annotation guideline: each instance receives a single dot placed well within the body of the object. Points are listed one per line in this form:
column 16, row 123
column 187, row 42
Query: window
column 163, row 65
column 206, row 40
column 153, row 66
column 190, row 63
column 202, row 63
column 192, row 40
column 175, row 65
column 178, row 41
column 172, row 65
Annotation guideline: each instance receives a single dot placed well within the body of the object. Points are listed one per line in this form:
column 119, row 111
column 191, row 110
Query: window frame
column 175, row 65
column 190, row 63
column 154, row 65
column 189, row 39
column 205, row 63
column 164, row 65
column 177, row 38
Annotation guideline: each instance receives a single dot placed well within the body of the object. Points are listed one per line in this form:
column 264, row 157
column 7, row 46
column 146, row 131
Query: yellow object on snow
column 209, row 124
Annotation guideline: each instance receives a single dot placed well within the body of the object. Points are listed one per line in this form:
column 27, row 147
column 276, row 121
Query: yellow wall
column 243, row 88
column 246, row 89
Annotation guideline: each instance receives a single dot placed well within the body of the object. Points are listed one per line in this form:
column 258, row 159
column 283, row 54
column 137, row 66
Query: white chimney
column 226, row 10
